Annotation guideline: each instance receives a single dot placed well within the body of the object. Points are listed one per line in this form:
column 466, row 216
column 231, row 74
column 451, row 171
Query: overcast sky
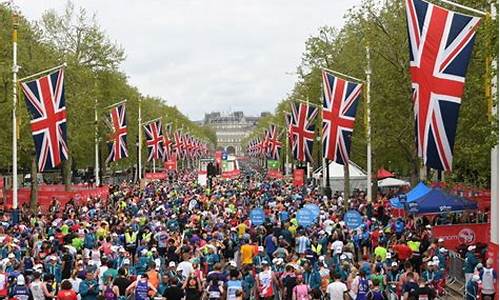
column 210, row 55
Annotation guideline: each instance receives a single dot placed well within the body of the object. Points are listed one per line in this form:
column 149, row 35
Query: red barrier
column 231, row 174
column 468, row 234
column 46, row 193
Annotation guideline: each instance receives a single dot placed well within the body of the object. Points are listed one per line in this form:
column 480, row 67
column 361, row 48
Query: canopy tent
column 383, row 173
column 392, row 182
column 436, row 201
column 357, row 176
column 418, row 191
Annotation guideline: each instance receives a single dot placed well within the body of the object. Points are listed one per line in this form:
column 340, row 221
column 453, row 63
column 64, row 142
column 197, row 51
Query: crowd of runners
column 174, row 239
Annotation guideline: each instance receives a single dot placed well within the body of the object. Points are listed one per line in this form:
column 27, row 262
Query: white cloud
column 210, row 55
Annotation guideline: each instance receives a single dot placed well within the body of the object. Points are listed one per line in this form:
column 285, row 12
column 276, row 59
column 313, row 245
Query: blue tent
column 418, row 191
column 436, row 201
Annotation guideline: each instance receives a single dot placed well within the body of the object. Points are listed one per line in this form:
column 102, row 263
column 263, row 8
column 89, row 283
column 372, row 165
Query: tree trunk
column 67, row 173
column 347, row 188
column 34, row 185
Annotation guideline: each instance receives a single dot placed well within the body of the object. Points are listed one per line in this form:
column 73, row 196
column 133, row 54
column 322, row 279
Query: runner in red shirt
column 66, row 293
column 402, row 250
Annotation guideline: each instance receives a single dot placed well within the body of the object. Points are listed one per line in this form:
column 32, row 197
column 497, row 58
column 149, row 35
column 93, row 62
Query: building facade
column 231, row 129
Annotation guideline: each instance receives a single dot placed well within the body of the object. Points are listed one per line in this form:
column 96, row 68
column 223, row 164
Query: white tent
column 391, row 182
column 357, row 176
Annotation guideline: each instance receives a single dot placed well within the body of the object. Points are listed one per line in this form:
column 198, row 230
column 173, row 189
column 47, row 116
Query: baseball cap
column 265, row 262
column 394, row 264
column 440, row 240
column 20, row 280
column 388, row 255
column 472, row 247
column 260, row 249
column 126, row 261
column 11, row 255
column 171, row 264
column 428, row 226
column 475, row 277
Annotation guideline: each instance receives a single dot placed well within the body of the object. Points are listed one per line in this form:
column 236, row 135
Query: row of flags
column 45, row 101
column 269, row 146
column 441, row 43
column 161, row 142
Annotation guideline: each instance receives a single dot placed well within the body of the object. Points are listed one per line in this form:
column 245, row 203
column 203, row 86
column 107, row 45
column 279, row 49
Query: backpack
column 109, row 294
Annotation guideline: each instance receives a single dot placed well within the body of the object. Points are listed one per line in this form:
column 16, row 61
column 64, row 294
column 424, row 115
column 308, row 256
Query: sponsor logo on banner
column 462, row 234
column 298, row 177
column 153, row 176
column 170, row 165
column 274, row 174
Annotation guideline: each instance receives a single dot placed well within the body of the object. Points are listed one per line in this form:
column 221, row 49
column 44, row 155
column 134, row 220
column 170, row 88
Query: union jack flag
column 118, row 139
column 179, row 145
column 340, row 100
column 302, row 130
column 46, row 104
column 167, row 142
column 154, row 140
column 441, row 43
column 273, row 143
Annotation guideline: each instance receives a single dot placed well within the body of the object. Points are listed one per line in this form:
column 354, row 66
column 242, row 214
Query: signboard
column 202, row 179
column 170, row 165
column 153, row 176
column 305, row 217
column 284, row 216
column 273, row 164
column 257, row 216
column 218, row 157
column 353, row 219
column 274, row 174
column 298, row 177
column 313, row 208
column 468, row 234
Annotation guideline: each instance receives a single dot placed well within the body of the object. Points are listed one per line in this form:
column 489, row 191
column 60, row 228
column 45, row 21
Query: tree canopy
column 381, row 26
column 92, row 74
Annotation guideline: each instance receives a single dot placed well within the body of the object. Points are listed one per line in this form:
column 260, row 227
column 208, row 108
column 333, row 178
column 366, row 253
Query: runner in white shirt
column 336, row 289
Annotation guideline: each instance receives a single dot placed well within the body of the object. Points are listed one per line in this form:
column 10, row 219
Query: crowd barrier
column 456, row 273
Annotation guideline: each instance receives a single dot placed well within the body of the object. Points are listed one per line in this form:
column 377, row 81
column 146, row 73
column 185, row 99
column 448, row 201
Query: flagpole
column 96, row 145
column 41, row 72
column 15, row 68
column 368, row 128
column 139, row 148
column 116, row 104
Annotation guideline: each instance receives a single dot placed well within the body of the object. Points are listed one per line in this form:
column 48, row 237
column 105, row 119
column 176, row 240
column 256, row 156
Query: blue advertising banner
column 314, row 208
column 353, row 219
column 305, row 217
column 257, row 216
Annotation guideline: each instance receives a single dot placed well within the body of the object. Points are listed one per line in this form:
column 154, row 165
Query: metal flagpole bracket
column 307, row 102
column 115, row 104
column 150, row 121
column 477, row 11
column 344, row 75
column 42, row 72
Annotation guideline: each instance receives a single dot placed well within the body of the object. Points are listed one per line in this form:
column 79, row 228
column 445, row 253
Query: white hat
column 260, row 249
column 20, row 280
column 265, row 262
column 126, row 261
column 52, row 257
column 475, row 277
column 11, row 255
column 144, row 251
column 232, row 263
column 388, row 255
column 122, row 250
column 428, row 226
column 443, row 250
column 471, row 247
column 430, row 263
column 153, row 249
column 321, row 258
column 394, row 264
column 171, row 264
column 440, row 240
column 343, row 257
column 338, row 249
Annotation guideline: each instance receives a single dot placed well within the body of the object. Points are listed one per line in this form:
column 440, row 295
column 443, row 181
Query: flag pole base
column 15, row 216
